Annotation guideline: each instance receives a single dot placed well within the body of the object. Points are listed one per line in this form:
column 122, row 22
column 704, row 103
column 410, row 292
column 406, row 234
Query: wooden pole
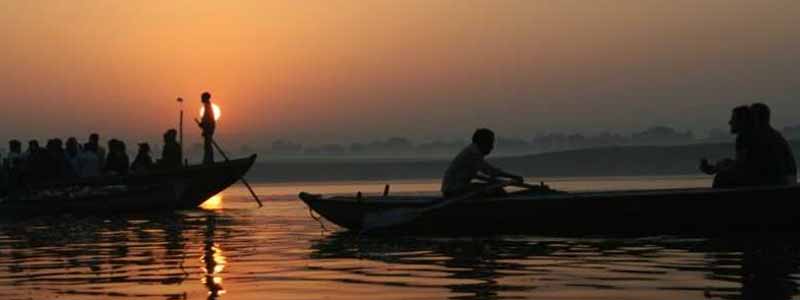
column 225, row 156
column 180, row 127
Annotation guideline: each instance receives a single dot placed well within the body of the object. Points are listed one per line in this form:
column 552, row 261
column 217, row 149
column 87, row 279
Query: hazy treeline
column 401, row 146
column 601, row 161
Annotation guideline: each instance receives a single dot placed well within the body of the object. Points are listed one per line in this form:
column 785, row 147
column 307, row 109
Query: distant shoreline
column 599, row 162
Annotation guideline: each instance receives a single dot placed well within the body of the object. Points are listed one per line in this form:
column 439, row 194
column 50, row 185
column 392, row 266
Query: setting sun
column 217, row 111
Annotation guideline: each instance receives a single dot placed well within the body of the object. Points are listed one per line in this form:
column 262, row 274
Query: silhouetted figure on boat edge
column 72, row 155
column 94, row 140
column 90, row 161
column 470, row 165
column 143, row 162
column 32, row 163
column 55, row 166
column 208, row 124
column 14, row 157
column 737, row 171
column 171, row 154
column 774, row 159
column 12, row 167
column 117, row 162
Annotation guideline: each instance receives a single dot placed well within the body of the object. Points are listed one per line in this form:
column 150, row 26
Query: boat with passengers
column 168, row 189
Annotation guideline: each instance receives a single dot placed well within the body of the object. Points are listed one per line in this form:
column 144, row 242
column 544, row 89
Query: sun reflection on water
column 214, row 262
column 213, row 203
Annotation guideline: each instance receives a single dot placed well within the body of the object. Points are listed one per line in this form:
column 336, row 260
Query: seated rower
column 470, row 164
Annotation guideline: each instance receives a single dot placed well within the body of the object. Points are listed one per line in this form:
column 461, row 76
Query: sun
column 215, row 108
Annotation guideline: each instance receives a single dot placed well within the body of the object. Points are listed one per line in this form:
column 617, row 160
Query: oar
column 533, row 187
column 228, row 160
column 399, row 216
column 526, row 185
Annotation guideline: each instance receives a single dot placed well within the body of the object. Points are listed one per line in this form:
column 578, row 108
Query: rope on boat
column 316, row 218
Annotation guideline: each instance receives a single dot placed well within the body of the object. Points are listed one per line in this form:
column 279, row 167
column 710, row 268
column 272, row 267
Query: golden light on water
column 215, row 109
column 214, row 262
column 213, row 203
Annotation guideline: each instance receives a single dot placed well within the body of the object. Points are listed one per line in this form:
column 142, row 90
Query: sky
column 322, row 71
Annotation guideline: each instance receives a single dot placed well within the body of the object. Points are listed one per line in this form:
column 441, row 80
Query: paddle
column 399, row 216
column 225, row 156
column 521, row 184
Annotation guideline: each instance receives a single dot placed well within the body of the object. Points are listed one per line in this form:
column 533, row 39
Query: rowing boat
column 639, row 212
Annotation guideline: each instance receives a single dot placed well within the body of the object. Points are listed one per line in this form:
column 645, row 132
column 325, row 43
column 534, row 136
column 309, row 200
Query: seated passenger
column 143, row 163
column 14, row 156
column 117, row 162
column 56, row 163
column 34, row 163
column 72, row 156
column 94, row 140
column 12, row 166
column 739, row 171
column 89, row 161
column 171, row 155
column 775, row 164
column 470, row 165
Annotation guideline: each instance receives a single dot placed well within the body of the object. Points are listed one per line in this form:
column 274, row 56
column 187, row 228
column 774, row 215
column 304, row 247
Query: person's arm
column 493, row 172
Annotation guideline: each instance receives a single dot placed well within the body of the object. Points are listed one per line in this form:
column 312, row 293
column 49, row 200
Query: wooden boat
column 642, row 212
column 179, row 188
column 94, row 199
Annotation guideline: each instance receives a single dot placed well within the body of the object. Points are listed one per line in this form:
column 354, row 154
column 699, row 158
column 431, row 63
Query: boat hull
column 162, row 190
column 677, row 211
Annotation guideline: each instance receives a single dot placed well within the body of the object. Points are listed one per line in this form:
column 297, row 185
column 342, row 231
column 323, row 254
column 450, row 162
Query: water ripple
column 278, row 252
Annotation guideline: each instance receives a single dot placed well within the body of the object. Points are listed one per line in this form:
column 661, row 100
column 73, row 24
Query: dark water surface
column 232, row 250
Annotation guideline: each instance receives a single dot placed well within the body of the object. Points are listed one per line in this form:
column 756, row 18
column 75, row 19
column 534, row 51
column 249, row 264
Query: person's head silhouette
column 94, row 138
column 741, row 119
column 484, row 139
column 170, row 135
column 205, row 97
column 15, row 146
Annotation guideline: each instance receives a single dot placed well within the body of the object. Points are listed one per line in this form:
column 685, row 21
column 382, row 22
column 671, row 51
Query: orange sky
column 358, row 70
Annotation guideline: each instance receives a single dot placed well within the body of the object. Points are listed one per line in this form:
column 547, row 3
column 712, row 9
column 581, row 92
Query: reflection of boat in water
column 700, row 210
column 161, row 190
column 758, row 266
column 153, row 255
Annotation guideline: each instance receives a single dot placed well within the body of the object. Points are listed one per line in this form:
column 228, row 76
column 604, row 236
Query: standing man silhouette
column 208, row 124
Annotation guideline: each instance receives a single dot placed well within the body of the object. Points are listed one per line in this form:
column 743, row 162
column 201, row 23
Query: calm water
column 232, row 250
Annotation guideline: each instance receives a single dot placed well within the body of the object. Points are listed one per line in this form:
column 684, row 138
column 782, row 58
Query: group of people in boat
column 60, row 160
column 762, row 157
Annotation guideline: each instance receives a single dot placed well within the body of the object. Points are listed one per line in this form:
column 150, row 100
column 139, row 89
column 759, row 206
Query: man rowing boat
column 470, row 165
